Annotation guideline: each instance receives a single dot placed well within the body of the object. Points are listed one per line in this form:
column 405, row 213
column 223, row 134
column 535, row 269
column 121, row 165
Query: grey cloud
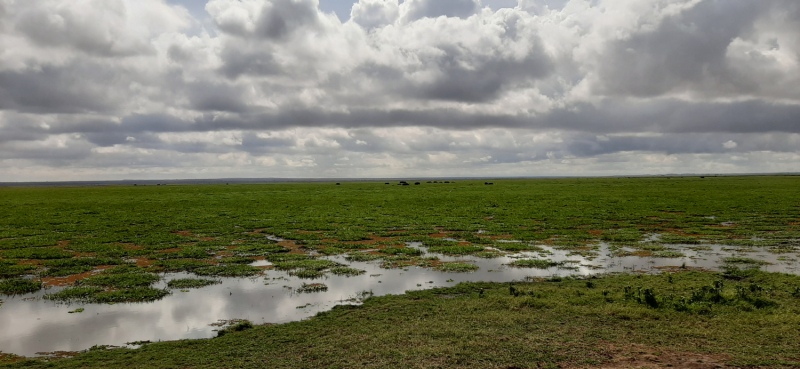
column 205, row 96
column 485, row 77
column 66, row 27
column 685, row 52
column 254, row 61
column 72, row 88
column 277, row 20
column 418, row 9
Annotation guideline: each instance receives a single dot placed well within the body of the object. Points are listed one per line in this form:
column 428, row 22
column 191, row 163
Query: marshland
column 525, row 273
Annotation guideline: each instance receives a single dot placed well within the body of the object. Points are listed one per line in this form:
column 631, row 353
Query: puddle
column 33, row 325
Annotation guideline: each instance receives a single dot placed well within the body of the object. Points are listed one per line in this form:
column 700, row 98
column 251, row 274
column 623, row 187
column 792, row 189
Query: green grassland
column 114, row 242
column 743, row 319
column 214, row 230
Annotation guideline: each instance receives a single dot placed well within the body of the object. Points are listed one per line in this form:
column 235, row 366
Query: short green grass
column 19, row 286
column 456, row 267
column 347, row 272
column 534, row 263
column 191, row 283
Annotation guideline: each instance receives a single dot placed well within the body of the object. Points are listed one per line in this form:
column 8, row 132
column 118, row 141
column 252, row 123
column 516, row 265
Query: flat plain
column 110, row 244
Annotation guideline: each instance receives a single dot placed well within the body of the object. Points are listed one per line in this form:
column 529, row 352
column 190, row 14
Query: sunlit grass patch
column 456, row 250
column 234, row 270
column 278, row 258
column 19, row 286
column 311, row 264
column 128, row 280
column 10, row 271
column 38, row 253
column 362, row 257
column 516, row 246
column 238, row 327
column 402, row 261
column 236, row 260
column 138, row 294
column 74, row 293
column 456, row 267
column 743, row 260
column 668, row 254
column 312, row 287
column 191, row 283
column 258, row 249
column 534, row 263
column 189, row 253
column 488, row 254
column 178, row 265
column 401, row 251
column 346, row 271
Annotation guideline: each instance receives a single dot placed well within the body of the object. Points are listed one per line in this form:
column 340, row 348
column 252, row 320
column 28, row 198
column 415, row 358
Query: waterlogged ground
column 36, row 326
column 81, row 267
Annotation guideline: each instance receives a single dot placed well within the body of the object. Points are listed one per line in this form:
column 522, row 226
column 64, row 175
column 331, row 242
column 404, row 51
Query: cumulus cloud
column 101, row 89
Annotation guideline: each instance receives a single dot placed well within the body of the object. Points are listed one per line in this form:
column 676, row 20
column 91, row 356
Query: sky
column 155, row 89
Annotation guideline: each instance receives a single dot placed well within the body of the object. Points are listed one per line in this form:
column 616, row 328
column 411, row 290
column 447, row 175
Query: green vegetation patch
column 516, row 246
column 456, row 250
column 234, row 270
column 347, row 272
column 277, row 258
column 74, row 293
column 743, row 260
column 11, row 271
column 127, row 280
column 309, row 264
column 190, row 253
column 534, row 263
column 38, row 253
column 238, row 327
column 258, row 249
column 362, row 257
column 456, row 267
column 191, row 283
column 19, row 286
column 401, row 251
column 312, row 287
column 237, row 260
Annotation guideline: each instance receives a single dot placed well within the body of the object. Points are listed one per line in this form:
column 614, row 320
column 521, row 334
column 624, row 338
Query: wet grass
column 187, row 228
column 456, row 250
column 362, row 257
column 191, row 283
column 308, row 264
column 126, row 280
column 235, row 270
column 747, row 322
column 401, row 251
column 743, row 260
column 347, row 272
column 11, row 271
column 177, row 265
column 534, row 263
column 312, row 288
column 238, row 327
column 37, row 253
column 456, row 267
column 74, row 293
column 19, row 286
column 90, row 294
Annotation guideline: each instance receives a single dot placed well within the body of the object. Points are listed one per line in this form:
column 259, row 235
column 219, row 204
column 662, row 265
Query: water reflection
column 36, row 325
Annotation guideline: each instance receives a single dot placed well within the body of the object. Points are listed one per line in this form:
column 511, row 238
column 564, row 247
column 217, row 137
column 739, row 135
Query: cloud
column 412, row 88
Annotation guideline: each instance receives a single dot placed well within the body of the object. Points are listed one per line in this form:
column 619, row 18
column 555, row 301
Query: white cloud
column 426, row 86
